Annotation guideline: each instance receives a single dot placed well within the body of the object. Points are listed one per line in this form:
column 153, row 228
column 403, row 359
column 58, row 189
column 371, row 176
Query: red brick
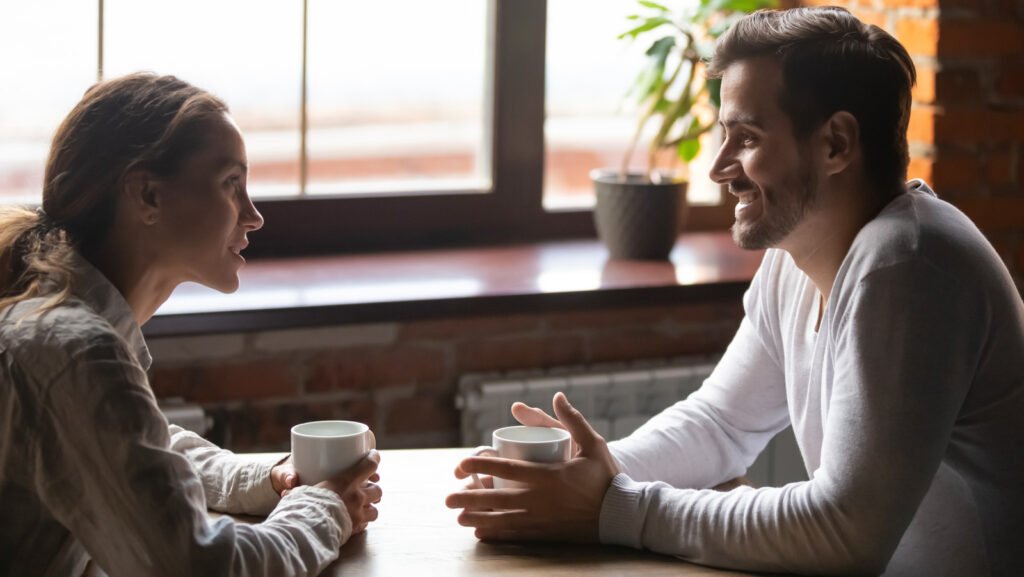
column 979, row 38
column 172, row 382
column 955, row 169
column 1010, row 81
column 958, row 126
column 958, row 86
column 924, row 91
column 619, row 317
column 469, row 327
column 268, row 428
column 706, row 313
column 1018, row 264
column 922, row 125
column 921, row 167
column 228, row 382
column 870, row 16
column 994, row 214
column 648, row 344
column 999, row 168
column 911, row 3
column 919, row 36
column 366, row 367
column 519, row 353
column 421, row 414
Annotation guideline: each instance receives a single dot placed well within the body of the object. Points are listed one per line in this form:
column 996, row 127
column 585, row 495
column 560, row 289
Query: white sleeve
column 232, row 483
column 103, row 467
column 904, row 352
column 718, row 432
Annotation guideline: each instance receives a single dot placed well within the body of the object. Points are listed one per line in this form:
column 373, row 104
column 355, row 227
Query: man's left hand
column 562, row 501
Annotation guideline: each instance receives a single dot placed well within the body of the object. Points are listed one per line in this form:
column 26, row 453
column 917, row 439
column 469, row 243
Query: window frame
column 512, row 211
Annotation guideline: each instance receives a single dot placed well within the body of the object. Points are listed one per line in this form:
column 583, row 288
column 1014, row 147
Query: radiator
column 615, row 398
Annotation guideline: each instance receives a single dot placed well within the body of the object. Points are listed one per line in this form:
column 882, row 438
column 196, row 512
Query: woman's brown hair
column 140, row 121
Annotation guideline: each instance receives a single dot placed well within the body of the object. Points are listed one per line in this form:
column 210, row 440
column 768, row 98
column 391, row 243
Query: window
column 368, row 125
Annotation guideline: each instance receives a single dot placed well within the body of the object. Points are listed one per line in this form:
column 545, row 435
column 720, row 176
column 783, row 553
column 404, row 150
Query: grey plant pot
column 637, row 219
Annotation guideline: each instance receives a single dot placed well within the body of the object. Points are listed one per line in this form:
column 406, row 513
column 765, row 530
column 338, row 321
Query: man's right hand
column 359, row 491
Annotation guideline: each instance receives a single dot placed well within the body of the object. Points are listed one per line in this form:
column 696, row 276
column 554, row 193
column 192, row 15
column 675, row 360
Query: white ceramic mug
column 322, row 449
column 536, row 444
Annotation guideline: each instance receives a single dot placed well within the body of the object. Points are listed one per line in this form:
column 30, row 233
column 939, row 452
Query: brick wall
column 967, row 128
column 401, row 378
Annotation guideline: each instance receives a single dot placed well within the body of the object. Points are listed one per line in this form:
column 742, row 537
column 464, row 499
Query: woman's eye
column 747, row 139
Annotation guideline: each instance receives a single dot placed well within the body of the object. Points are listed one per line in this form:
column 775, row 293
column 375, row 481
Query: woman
column 145, row 188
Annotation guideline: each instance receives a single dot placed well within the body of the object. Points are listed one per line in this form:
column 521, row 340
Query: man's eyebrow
column 744, row 119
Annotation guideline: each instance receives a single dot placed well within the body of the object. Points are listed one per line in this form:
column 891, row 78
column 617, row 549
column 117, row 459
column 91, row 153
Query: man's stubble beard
column 772, row 228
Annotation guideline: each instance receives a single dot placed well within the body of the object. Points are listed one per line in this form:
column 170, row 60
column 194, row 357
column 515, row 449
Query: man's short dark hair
column 832, row 61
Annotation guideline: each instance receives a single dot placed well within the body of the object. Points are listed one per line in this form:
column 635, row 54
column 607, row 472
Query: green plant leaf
column 653, row 5
column 715, row 91
column 649, row 24
column 661, row 48
column 688, row 149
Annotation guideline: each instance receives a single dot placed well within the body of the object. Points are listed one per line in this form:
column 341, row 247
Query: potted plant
column 638, row 212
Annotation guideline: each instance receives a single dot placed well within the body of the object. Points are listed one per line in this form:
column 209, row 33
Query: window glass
column 397, row 96
column 590, row 117
column 48, row 63
column 248, row 52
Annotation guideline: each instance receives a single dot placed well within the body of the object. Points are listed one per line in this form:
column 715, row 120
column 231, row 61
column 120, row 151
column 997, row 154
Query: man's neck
column 820, row 243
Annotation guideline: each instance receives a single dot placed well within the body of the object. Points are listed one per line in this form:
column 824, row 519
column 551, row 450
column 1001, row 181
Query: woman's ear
column 842, row 142
column 141, row 193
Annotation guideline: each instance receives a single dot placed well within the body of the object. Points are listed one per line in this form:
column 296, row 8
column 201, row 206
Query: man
column 881, row 325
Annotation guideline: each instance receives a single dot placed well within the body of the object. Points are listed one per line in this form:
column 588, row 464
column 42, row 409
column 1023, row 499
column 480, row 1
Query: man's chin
column 746, row 238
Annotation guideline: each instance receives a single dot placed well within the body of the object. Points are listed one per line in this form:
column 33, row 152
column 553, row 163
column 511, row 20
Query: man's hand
column 562, row 501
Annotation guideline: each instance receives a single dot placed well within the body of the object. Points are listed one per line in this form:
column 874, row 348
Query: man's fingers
column 487, row 499
column 585, row 436
column 510, row 469
column 500, row 520
column 499, row 535
column 533, row 416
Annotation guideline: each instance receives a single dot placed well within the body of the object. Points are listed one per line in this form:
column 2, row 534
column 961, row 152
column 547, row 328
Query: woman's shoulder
column 47, row 340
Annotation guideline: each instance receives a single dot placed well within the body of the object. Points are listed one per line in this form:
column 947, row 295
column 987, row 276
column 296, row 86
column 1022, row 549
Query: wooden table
column 416, row 535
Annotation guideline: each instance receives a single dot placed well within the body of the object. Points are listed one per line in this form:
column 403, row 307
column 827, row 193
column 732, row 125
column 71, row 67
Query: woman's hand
column 358, row 489
column 283, row 477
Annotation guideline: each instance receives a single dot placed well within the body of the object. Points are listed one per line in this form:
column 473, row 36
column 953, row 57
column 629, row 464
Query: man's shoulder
column 916, row 230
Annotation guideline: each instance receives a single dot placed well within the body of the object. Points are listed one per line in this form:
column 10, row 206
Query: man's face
column 761, row 160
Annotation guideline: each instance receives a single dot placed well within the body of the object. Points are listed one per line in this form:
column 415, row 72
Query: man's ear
column 841, row 139
column 141, row 195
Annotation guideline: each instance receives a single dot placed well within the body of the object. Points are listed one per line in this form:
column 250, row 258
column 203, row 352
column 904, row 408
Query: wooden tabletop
column 417, row 535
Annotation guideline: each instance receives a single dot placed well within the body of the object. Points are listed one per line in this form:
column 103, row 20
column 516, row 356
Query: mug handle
column 482, row 450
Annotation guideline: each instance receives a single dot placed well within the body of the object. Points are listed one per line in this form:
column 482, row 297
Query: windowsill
column 389, row 287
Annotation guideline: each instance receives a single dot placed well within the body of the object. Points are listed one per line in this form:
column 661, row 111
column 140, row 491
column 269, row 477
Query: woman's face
column 206, row 213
